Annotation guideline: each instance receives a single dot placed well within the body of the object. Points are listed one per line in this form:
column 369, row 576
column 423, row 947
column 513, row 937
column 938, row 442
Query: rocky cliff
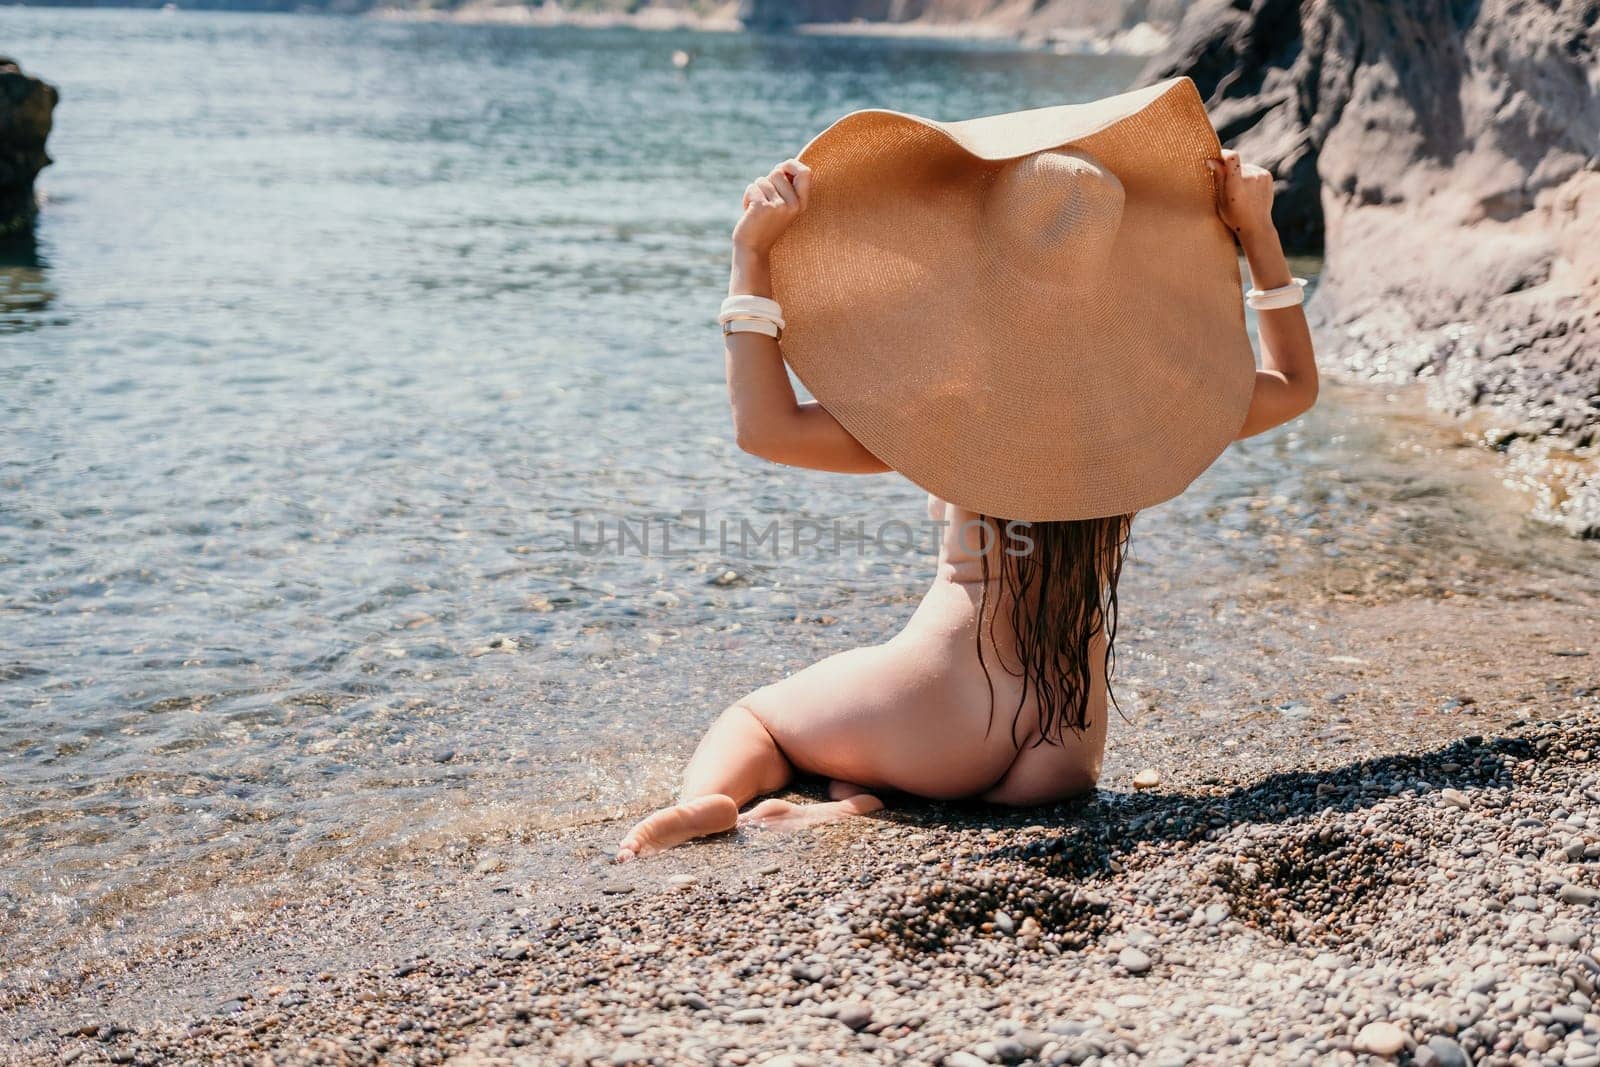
column 26, row 106
column 1445, row 154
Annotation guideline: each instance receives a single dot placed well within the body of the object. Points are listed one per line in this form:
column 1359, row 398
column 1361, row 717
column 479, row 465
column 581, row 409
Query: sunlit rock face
column 1444, row 155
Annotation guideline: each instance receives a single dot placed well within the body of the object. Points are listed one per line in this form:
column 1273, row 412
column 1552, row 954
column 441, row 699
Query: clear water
column 334, row 328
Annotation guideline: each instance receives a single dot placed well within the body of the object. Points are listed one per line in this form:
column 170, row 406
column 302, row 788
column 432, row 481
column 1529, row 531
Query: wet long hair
column 1060, row 579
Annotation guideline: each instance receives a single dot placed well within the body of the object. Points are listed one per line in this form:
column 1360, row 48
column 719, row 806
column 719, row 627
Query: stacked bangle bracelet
column 751, row 314
column 1284, row 296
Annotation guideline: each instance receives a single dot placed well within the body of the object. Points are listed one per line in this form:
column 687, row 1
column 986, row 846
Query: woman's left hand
column 771, row 203
column 1244, row 194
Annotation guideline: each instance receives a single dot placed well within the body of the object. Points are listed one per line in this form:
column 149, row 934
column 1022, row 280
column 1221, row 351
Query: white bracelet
column 747, row 325
column 744, row 306
column 1284, row 296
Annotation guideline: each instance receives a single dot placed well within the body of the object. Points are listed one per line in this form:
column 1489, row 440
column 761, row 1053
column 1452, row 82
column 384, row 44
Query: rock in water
column 1463, row 133
column 26, row 106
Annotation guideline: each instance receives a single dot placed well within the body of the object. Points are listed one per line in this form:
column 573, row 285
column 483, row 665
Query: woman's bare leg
column 838, row 790
column 847, row 799
column 735, row 762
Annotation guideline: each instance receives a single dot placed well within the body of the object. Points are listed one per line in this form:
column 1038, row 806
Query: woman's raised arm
column 1286, row 382
column 768, row 421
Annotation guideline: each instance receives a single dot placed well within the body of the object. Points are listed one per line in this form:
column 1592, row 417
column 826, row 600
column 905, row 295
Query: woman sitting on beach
column 1062, row 415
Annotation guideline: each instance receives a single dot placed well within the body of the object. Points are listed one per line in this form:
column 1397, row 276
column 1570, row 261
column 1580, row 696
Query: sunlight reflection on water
column 317, row 362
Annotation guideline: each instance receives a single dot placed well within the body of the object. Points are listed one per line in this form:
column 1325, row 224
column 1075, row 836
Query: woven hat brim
column 994, row 378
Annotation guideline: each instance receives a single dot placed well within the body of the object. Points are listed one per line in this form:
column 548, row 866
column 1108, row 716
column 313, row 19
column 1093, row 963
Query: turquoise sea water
column 333, row 331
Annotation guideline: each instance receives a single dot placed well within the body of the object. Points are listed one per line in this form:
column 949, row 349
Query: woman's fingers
column 1244, row 191
column 771, row 203
column 1230, row 172
column 799, row 176
column 762, row 192
column 789, row 184
column 780, row 182
column 802, row 187
column 1225, row 187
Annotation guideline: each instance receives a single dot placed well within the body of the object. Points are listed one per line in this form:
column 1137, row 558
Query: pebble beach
column 1438, row 906
column 1423, row 891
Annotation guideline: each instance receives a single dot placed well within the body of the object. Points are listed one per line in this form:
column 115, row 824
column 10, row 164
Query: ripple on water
column 316, row 375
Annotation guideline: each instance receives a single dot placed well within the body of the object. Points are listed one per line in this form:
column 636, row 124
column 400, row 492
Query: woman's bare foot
column 778, row 814
column 679, row 823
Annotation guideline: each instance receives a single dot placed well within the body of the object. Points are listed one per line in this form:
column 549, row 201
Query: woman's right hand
column 771, row 203
column 1244, row 193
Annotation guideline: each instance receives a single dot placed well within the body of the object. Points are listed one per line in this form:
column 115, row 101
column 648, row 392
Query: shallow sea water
column 341, row 335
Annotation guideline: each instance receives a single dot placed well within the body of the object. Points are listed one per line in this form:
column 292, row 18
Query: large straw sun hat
column 1035, row 316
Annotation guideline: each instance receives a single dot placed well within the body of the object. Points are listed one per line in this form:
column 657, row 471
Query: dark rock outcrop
column 26, row 104
column 1446, row 153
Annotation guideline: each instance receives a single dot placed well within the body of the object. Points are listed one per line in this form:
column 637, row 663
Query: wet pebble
column 1571, row 893
column 965, row 1059
column 1380, row 1039
column 1001, row 1050
column 1564, row 935
column 856, row 1015
column 1440, row 1051
column 1567, row 1015
column 626, row 1055
column 1133, row 960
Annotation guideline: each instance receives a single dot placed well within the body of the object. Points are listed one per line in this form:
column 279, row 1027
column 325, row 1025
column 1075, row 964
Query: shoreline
column 1141, row 40
column 1404, row 753
column 1430, row 895
column 1559, row 481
